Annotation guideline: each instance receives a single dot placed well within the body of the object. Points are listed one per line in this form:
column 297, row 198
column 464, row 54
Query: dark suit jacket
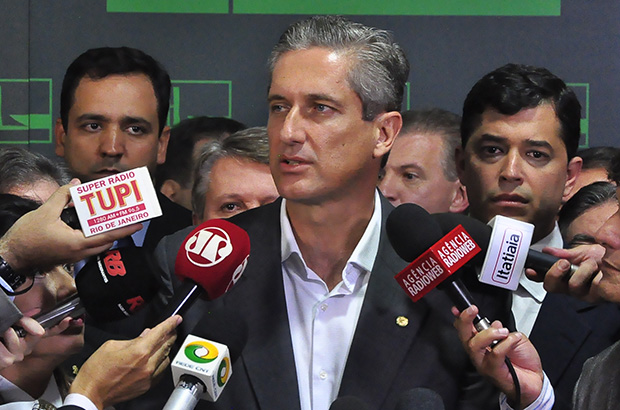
column 566, row 333
column 384, row 361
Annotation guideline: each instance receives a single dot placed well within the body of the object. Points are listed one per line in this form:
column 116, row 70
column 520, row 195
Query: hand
column 491, row 362
column 14, row 348
column 122, row 370
column 40, row 238
column 583, row 284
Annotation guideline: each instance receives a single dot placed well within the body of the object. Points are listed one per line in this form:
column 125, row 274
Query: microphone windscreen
column 411, row 231
column 479, row 231
column 348, row 403
column 420, row 398
column 213, row 256
column 226, row 327
column 117, row 283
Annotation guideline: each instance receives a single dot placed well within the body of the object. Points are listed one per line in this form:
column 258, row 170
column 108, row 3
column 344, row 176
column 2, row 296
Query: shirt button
column 323, row 307
column 323, row 374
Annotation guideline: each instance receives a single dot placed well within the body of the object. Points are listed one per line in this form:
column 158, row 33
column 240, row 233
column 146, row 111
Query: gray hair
column 20, row 167
column 437, row 121
column 380, row 68
column 251, row 143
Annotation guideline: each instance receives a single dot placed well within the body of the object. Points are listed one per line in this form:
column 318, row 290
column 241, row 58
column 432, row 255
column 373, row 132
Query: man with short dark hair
column 597, row 387
column 585, row 212
column 421, row 167
column 174, row 178
column 113, row 109
column 520, row 133
column 325, row 316
column 597, row 164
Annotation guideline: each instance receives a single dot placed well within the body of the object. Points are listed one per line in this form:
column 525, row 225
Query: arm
column 121, row 370
column 491, row 362
column 583, row 284
column 40, row 238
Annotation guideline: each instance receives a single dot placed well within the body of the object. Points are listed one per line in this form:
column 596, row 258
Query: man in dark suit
column 113, row 111
column 520, row 133
column 326, row 317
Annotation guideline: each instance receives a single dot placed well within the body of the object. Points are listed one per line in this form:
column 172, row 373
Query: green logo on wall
column 26, row 111
column 350, row 7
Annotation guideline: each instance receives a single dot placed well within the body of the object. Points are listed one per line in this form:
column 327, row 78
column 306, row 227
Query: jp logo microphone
column 211, row 260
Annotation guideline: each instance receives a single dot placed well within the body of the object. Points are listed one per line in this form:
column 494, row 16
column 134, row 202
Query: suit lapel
column 268, row 356
column 559, row 320
column 367, row 373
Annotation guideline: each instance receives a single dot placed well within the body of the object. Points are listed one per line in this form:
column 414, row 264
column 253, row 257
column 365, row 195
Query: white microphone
column 200, row 370
column 202, row 367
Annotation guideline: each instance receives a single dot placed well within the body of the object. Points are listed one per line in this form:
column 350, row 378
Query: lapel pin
column 402, row 321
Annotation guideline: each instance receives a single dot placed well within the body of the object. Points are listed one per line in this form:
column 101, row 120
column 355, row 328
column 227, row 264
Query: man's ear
column 162, row 145
column 170, row 188
column 572, row 172
column 459, row 201
column 60, row 134
column 388, row 125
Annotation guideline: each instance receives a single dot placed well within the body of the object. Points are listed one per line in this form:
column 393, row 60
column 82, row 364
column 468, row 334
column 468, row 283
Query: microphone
column 507, row 248
column 202, row 367
column 420, row 398
column 111, row 286
column 348, row 403
column 410, row 229
column 212, row 258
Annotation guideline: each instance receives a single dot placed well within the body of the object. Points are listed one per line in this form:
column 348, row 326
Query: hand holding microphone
column 123, row 369
column 581, row 282
column 492, row 364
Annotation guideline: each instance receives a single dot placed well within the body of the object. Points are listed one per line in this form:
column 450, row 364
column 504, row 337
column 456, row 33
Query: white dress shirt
column 322, row 323
column 529, row 296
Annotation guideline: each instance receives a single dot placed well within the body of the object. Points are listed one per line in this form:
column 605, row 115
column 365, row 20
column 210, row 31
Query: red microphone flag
column 431, row 268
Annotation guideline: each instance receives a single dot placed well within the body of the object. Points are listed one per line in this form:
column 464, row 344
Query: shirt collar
column 363, row 256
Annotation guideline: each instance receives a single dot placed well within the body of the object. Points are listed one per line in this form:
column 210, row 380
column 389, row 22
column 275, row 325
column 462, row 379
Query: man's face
column 414, row 173
column 320, row 147
column 112, row 127
column 517, row 166
column 50, row 288
column 583, row 228
column 236, row 185
column 609, row 237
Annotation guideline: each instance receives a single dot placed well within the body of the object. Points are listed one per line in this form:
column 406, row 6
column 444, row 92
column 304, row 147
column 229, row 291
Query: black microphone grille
column 411, row 231
column 348, row 403
column 420, row 398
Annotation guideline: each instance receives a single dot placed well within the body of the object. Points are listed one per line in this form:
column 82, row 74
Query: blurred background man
column 174, row 178
column 421, row 166
column 232, row 175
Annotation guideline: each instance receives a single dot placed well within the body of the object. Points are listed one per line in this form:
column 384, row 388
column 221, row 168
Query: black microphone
column 111, row 286
column 348, row 403
column 203, row 365
column 536, row 260
column 420, row 398
column 417, row 237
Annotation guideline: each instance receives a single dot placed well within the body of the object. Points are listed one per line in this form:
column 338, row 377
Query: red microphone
column 410, row 230
column 436, row 264
column 212, row 258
